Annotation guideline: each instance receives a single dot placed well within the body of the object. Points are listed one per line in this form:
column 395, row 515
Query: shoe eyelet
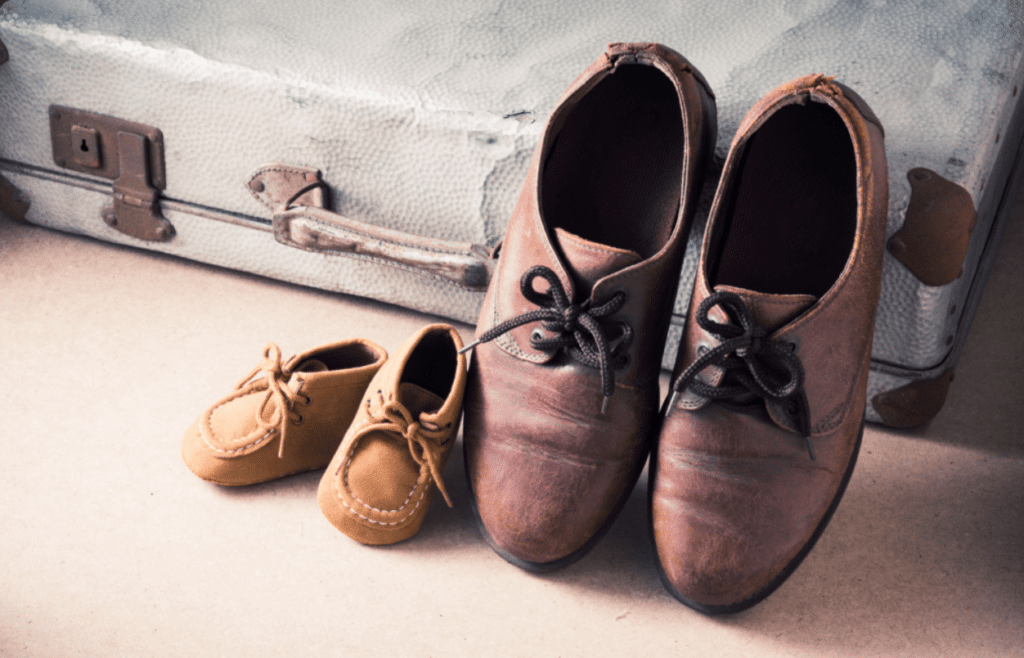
column 299, row 420
column 702, row 350
column 537, row 334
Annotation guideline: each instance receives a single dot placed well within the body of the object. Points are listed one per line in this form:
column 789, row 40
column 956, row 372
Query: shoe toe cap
column 212, row 464
column 374, row 492
column 737, row 503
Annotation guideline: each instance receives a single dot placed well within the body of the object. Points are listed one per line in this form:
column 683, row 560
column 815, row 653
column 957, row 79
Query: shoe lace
column 580, row 329
column 768, row 369
column 284, row 397
column 423, row 437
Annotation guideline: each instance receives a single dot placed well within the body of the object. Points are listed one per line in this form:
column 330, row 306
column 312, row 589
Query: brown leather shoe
column 563, row 389
column 763, row 427
column 283, row 418
column 380, row 483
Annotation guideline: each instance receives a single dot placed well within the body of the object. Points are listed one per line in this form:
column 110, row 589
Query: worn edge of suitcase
column 904, row 398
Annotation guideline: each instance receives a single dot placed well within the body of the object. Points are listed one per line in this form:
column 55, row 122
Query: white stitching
column 400, row 521
column 344, row 482
column 241, row 393
column 237, row 450
column 202, row 430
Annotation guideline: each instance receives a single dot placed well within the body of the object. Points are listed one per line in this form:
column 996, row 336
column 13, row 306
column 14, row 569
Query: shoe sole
column 786, row 572
column 249, row 484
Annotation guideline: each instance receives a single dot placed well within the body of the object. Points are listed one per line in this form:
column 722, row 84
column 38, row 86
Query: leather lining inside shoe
column 614, row 171
column 793, row 214
column 432, row 364
column 355, row 355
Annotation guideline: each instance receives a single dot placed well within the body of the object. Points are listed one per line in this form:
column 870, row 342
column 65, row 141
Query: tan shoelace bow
column 276, row 381
column 424, row 438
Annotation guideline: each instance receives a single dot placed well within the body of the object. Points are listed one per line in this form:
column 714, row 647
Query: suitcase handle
column 317, row 229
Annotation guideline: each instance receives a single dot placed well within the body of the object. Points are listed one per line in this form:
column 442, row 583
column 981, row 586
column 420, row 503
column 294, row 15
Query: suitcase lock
column 129, row 153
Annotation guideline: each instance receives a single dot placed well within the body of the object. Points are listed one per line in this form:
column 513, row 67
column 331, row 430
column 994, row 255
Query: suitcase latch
column 129, row 153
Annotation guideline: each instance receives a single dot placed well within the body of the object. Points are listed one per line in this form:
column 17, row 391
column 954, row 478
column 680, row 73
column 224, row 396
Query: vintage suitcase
column 403, row 131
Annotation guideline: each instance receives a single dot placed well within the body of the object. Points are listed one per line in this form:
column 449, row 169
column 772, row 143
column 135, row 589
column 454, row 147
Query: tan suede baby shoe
column 283, row 418
column 380, row 483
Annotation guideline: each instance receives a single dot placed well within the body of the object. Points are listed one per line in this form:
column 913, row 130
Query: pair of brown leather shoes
column 384, row 427
column 755, row 446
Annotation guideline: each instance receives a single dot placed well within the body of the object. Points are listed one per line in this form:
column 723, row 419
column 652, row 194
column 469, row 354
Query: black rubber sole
column 787, row 571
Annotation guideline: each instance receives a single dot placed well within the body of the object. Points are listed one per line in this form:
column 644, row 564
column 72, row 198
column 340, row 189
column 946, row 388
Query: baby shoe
column 282, row 418
column 762, row 430
column 380, row 483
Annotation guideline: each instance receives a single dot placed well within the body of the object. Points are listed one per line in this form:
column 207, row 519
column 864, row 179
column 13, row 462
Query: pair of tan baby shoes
column 384, row 427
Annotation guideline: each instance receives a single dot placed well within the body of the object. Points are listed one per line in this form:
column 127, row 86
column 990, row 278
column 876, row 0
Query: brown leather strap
column 312, row 227
column 315, row 229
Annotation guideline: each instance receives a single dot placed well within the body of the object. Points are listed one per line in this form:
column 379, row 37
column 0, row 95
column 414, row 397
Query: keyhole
column 84, row 147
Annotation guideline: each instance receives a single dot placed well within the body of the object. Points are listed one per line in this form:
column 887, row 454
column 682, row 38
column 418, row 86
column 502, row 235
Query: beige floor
column 110, row 547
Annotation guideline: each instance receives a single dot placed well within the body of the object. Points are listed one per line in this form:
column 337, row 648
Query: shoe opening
column 352, row 355
column 432, row 364
column 613, row 174
column 792, row 217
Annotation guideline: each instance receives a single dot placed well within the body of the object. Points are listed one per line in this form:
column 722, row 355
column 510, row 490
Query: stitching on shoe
column 237, row 450
column 833, row 420
column 650, row 262
column 602, row 249
column 202, row 431
column 344, row 476
column 344, row 482
column 250, row 388
column 509, row 344
column 398, row 522
column 776, row 302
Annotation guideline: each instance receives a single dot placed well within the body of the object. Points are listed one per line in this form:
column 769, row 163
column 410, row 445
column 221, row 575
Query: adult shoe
column 761, row 431
column 563, row 388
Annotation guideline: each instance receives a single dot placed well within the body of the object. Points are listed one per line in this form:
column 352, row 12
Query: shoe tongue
column 589, row 262
column 771, row 311
column 311, row 365
column 419, row 400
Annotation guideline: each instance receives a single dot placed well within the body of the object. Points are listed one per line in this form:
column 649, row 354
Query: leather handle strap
column 312, row 227
column 315, row 229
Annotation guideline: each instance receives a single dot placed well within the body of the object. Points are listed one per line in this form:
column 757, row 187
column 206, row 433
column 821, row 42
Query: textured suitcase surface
column 422, row 120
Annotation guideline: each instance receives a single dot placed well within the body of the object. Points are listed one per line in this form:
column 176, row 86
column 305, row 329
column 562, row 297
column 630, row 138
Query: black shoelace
column 754, row 365
column 580, row 329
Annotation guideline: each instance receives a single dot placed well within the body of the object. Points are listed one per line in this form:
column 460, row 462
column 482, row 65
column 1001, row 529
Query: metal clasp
column 129, row 153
